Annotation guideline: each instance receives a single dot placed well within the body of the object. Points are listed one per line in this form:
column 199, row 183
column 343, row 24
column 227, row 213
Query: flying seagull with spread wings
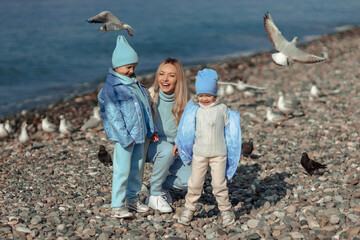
column 241, row 86
column 287, row 50
column 112, row 23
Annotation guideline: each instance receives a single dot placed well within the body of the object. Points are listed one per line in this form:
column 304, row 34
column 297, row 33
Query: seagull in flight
column 288, row 51
column 241, row 86
column 112, row 23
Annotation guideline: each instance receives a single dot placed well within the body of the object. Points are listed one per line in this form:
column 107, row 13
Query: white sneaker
column 186, row 217
column 158, row 203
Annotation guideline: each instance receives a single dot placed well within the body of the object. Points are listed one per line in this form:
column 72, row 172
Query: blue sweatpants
column 168, row 170
column 127, row 164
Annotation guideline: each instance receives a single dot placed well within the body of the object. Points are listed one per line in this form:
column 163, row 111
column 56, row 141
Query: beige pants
column 218, row 181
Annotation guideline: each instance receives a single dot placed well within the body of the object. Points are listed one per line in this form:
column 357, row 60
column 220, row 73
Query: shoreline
column 148, row 76
column 56, row 188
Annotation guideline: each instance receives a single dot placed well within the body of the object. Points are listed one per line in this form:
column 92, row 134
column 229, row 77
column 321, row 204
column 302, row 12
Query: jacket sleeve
column 186, row 133
column 233, row 143
column 114, row 124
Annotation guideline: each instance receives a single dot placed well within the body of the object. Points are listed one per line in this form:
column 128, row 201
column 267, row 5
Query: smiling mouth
column 165, row 84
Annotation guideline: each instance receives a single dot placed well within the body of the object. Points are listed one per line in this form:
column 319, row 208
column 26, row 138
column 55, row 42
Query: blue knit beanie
column 206, row 82
column 123, row 53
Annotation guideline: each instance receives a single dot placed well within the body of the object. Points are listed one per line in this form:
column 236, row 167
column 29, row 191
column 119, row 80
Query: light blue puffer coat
column 122, row 114
column 186, row 137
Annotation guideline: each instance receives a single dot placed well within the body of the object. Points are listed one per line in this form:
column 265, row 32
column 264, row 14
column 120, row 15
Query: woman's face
column 167, row 78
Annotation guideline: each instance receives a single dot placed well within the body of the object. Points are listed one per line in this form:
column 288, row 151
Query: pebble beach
column 54, row 187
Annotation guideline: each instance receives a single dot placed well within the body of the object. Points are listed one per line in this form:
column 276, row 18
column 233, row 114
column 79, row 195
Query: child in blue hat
column 209, row 135
column 127, row 119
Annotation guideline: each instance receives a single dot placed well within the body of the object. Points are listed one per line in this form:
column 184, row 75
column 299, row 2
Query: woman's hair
column 181, row 89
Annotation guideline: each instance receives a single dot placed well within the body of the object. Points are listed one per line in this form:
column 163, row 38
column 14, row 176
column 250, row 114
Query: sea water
column 48, row 51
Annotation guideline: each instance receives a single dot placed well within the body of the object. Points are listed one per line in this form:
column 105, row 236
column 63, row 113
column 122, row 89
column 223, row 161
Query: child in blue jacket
column 209, row 135
column 127, row 119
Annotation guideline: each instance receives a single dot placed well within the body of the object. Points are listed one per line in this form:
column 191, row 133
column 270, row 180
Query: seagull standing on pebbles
column 221, row 91
column 8, row 127
column 315, row 91
column 273, row 117
column 94, row 121
column 112, row 23
column 64, row 128
column 48, row 126
column 24, row 136
column 3, row 132
column 287, row 106
column 287, row 50
column 229, row 90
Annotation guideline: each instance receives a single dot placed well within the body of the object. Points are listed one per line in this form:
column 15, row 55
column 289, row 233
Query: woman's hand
column 154, row 137
column 175, row 150
column 131, row 144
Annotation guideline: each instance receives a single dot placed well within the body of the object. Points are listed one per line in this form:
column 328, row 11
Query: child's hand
column 175, row 150
column 154, row 137
column 131, row 144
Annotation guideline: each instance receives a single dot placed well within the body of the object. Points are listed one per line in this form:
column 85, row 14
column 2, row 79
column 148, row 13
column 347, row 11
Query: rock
column 296, row 235
column 22, row 230
column 334, row 219
column 36, row 220
column 353, row 217
column 313, row 224
column 103, row 236
column 291, row 209
column 252, row 223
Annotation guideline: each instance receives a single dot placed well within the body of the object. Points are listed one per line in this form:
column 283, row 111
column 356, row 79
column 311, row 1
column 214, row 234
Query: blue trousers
column 127, row 164
column 168, row 170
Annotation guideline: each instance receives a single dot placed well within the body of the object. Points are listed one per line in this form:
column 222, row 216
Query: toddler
column 125, row 109
column 209, row 135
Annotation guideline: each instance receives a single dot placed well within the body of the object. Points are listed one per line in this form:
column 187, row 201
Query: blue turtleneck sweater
column 165, row 120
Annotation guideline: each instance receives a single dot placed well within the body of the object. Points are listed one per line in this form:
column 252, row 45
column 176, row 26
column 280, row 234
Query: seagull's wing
column 298, row 55
column 275, row 36
column 91, row 123
column 291, row 102
column 52, row 125
column 227, row 83
column 104, row 17
column 278, row 118
column 240, row 83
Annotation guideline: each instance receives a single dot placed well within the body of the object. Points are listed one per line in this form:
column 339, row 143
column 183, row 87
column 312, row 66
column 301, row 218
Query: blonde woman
column 169, row 96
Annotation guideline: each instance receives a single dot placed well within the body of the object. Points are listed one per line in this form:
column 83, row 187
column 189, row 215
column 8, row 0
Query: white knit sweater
column 210, row 128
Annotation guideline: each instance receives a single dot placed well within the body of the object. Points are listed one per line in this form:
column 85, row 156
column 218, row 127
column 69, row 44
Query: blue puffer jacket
column 122, row 114
column 186, row 137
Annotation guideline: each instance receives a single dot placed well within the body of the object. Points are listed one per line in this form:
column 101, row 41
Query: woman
column 169, row 96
